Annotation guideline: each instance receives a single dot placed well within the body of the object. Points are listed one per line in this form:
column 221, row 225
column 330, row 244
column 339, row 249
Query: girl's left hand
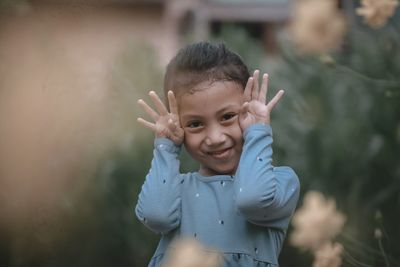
column 255, row 109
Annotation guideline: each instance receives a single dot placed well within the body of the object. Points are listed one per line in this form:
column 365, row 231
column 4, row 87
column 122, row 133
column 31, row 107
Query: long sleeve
column 159, row 201
column 265, row 195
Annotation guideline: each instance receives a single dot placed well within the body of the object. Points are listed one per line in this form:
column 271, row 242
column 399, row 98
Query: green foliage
column 124, row 240
column 238, row 40
column 339, row 128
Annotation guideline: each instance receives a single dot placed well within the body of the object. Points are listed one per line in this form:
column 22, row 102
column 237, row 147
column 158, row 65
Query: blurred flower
column 316, row 222
column 190, row 253
column 317, row 26
column 377, row 12
column 327, row 60
column 328, row 255
column 378, row 233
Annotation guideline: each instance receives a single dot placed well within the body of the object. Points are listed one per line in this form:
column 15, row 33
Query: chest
column 209, row 212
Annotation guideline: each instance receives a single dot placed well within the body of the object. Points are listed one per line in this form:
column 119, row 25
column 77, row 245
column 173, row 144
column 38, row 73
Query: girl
column 237, row 202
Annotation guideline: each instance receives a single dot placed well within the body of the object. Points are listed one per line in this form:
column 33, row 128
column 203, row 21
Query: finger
column 148, row 109
column 147, row 124
column 275, row 100
column 158, row 103
column 173, row 105
column 255, row 92
column 247, row 90
column 174, row 129
column 244, row 109
column 172, row 126
column 175, row 139
column 264, row 89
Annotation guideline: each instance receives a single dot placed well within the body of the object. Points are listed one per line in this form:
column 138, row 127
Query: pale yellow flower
column 316, row 222
column 190, row 253
column 378, row 233
column 327, row 60
column 377, row 12
column 317, row 26
column 328, row 255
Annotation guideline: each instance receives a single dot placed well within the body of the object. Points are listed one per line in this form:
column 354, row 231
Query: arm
column 158, row 205
column 265, row 195
column 159, row 201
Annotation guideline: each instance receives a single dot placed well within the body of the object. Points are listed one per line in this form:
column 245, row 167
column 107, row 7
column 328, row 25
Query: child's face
column 210, row 121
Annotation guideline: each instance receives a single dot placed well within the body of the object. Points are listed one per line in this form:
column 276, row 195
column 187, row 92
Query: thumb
column 244, row 109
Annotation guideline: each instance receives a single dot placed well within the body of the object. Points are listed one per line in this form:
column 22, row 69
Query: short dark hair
column 201, row 62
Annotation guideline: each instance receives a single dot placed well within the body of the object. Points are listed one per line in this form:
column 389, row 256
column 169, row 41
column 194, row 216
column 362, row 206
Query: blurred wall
column 60, row 116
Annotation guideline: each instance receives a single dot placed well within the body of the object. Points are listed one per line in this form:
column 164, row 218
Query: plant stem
column 365, row 77
column 354, row 261
column 360, row 243
column 383, row 252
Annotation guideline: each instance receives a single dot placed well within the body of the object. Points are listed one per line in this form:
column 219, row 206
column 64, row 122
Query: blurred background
column 73, row 158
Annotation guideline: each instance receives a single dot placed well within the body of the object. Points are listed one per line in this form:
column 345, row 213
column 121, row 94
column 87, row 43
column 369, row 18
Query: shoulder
column 285, row 170
column 287, row 173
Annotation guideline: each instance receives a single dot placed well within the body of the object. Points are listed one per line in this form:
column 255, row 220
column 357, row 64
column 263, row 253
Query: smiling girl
column 237, row 202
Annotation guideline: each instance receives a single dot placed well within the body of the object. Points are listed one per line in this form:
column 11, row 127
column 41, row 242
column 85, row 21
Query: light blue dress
column 244, row 216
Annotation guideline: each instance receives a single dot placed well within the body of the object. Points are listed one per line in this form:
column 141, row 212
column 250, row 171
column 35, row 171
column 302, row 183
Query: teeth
column 218, row 152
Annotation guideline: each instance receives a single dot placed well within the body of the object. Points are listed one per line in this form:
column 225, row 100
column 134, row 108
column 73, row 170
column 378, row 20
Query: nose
column 215, row 136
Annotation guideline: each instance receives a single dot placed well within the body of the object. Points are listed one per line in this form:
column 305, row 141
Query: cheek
column 191, row 142
column 237, row 134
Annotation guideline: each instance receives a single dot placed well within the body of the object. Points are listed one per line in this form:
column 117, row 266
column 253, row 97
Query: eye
column 194, row 124
column 228, row 116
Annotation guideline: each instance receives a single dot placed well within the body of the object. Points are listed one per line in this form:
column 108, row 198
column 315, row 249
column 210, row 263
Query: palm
column 256, row 112
column 166, row 123
column 255, row 109
column 163, row 128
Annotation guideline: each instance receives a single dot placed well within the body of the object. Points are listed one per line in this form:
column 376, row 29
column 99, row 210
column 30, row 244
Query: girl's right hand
column 166, row 123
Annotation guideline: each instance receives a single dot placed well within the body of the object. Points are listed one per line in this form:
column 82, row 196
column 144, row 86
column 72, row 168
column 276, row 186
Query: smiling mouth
column 220, row 154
